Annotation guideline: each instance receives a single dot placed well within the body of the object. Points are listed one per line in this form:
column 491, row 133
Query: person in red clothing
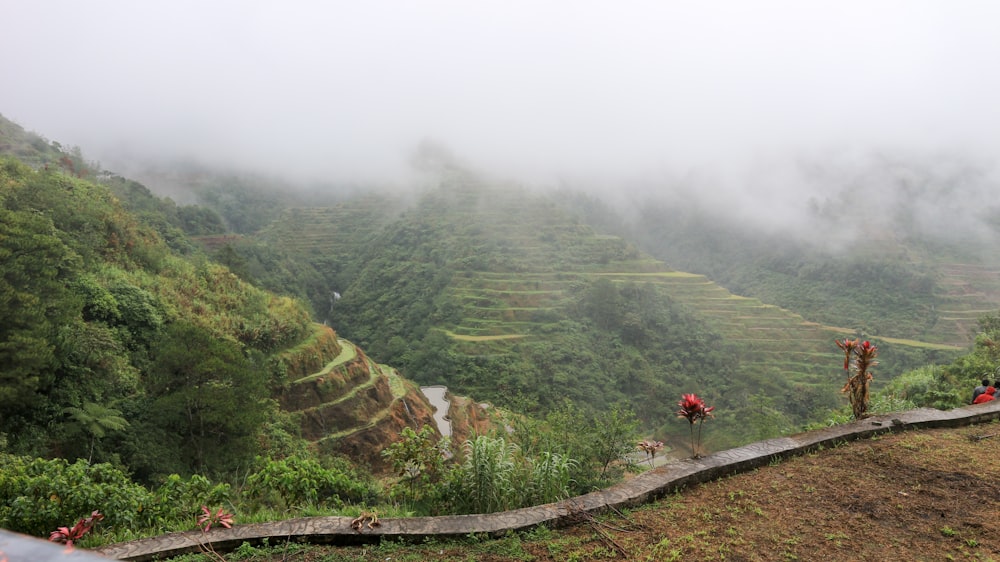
column 980, row 389
column 986, row 396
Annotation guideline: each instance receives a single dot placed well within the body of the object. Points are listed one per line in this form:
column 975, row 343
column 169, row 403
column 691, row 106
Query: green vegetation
column 530, row 462
column 117, row 349
column 37, row 495
column 950, row 386
column 503, row 295
column 911, row 285
column 294, row 483
column 178, row 349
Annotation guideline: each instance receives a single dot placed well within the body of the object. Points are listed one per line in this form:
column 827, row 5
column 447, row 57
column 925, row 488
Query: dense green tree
column 207, row 399
column 603, row 303
column 34, row 303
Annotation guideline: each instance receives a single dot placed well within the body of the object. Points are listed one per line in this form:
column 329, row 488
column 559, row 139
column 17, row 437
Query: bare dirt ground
column 911, row 496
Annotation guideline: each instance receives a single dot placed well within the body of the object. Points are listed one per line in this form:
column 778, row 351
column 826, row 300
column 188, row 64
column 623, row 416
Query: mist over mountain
column 615, row 95
column 575, row 212
column 730, row 139
column 834, row 201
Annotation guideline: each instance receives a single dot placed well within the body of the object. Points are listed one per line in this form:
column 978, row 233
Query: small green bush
column 178, row 498
column 297, row 482
column 38, row 495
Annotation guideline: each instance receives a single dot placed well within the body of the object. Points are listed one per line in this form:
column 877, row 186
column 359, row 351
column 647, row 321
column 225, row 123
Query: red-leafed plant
column 208, row 518
column 68, row 535
column 205, row 522
column 694, row 410
column 859, row 357
column 650, row 447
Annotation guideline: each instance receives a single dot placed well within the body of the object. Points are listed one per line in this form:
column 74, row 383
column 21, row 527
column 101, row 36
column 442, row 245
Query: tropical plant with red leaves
column 209, row 518
column 68, row 535
column 650, row 447
column 859, row 357
column 694, row 410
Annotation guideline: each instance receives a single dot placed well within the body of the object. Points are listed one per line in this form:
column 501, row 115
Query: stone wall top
column 645, row 487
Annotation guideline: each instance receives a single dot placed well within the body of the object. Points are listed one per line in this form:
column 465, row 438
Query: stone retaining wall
column 644, row 488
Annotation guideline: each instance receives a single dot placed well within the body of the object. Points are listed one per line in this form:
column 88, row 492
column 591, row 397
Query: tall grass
column 486, row 480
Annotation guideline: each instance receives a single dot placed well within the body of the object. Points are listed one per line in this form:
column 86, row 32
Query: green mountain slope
column 895, row 282
column 503, row 295
column 119, row 346
column 37, row 152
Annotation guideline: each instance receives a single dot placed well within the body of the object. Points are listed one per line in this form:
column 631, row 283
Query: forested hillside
column 108, row 334
column 526, row 300
column 504, row 294
column 157, row 346
column 124, row 342
column 142, row 380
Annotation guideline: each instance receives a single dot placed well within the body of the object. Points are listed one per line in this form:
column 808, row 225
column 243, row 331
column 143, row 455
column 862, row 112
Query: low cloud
column 770, row 106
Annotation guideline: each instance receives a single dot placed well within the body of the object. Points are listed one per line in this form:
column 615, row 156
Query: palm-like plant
column 859, row 357
column 96, row 420
column 209, row 518
column 694, row 410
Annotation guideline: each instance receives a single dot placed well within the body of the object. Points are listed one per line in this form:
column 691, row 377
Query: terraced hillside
column 345, row 402
column 500, row 294
column 328, row 233
column 553, row 254
column 896, row 277
column 502, row 311
column 967, row 291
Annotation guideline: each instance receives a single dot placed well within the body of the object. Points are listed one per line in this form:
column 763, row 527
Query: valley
column 516, row 292
column 340, row 339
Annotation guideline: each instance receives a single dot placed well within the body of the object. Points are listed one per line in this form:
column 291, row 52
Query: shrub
column 418, row 459
column 70, row 535
column 177, row 498
column 551, row 478
column 928, row 386
column 298, row 482
column 38, row 495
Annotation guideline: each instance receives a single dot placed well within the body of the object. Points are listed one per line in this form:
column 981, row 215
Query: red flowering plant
column 68, row 535
column 859, row 357
column 694, row 410
column 220, row 517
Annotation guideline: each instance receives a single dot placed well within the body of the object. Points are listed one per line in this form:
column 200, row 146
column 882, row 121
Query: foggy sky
column 540, row 90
